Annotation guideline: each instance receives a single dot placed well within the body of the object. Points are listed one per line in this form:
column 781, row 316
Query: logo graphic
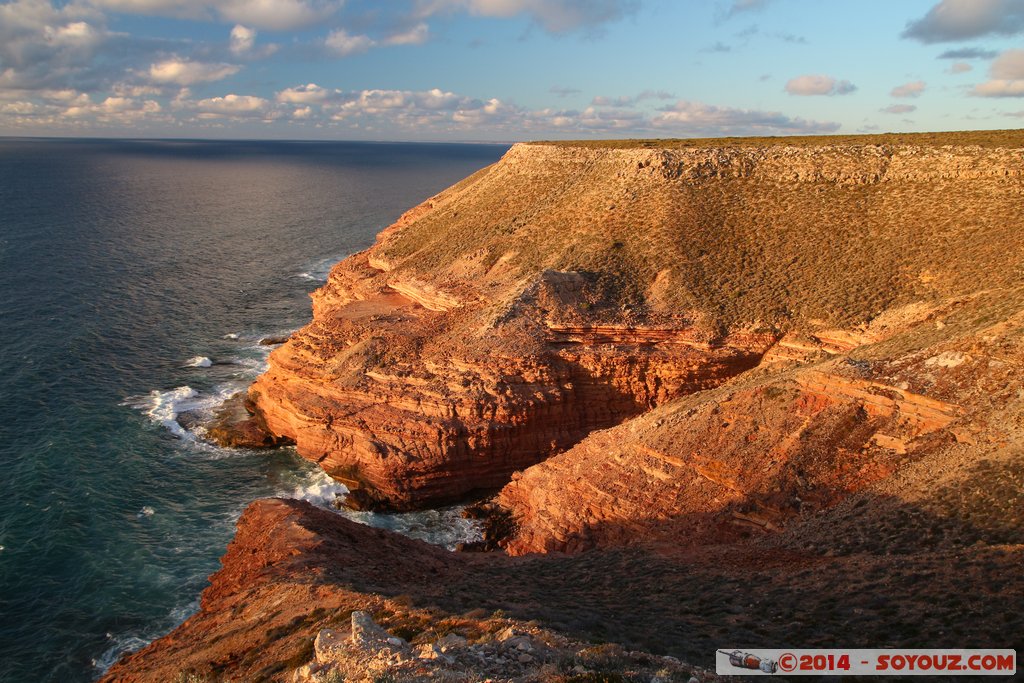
column 744, row 660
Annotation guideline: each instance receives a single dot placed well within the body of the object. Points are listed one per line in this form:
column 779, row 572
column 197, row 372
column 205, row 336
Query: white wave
column 126, row 643
column 122, row 645
column 319, row 489
column 318, row 272
column 445, row 526
column 231, row 335
column 164, row 407
column 146, row 511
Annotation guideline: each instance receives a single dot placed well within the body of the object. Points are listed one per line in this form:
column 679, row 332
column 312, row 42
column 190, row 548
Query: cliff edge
column 566, row 289
column 765, row 393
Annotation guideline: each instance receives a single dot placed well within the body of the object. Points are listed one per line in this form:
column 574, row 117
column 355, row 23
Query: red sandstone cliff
column 759, row 395
column 566, row 289
column 298, row 598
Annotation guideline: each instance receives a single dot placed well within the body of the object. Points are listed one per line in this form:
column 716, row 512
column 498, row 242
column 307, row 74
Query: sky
column 507, row 70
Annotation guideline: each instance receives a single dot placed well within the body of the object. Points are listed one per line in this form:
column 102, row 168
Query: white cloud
column 242, row 39
column 952, row 20
column 438, row 99
column 418, row 102
column 276, row 15
column 697, row 119
column 959, row 68
column 66, row 96
column 310, row 93
column 1007, row 76
column 232, row 106
column 123, row 110
column 898, row 109
column 45, row 46
column 818, row 84
column 19, row 108
column 417, row 35
column 999, row 88
column 343, row 43
column 435, row 112
column 186, row 72
column 555, row 16
column 76, row 34
column 1009, row 65
column 913, row 89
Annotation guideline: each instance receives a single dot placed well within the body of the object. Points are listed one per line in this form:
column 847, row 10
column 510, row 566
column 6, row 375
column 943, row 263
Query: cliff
column 763, row 393
column 306, row 595
column 791, row 439
column 566, row 289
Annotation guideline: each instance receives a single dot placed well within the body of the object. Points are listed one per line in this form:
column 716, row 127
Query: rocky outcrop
column 947, row 532
column 789, row 439
column 773, row 391
column 238, row 423
column 295, row 601
column 517, row 652
column 566, row 289
column 406, row 419
column 712, row 468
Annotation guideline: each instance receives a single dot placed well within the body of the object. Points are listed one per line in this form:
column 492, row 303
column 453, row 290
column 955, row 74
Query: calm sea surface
column 136, row 279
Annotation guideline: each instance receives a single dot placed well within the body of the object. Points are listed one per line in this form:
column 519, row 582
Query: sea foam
column 444, row 527
column 164, row 407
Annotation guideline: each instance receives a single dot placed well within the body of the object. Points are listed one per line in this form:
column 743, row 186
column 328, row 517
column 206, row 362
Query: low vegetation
column 733, row 250
column 982, row 138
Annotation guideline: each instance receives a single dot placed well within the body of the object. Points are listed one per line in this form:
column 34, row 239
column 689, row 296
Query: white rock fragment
column 948, row 359
column 327, row 645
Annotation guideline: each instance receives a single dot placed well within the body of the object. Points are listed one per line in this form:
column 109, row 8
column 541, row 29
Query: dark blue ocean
column 136, row 280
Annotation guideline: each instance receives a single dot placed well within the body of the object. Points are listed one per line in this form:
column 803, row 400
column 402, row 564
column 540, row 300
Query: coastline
column 554, row 327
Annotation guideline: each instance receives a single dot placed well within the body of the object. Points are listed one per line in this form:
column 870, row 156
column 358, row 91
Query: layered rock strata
column 379, row 392
column 566, row 289
column 786, row 441
column 294, row 601
column 755, row 394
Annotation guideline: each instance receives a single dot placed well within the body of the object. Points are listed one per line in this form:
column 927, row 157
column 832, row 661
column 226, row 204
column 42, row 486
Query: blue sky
column 507, row 70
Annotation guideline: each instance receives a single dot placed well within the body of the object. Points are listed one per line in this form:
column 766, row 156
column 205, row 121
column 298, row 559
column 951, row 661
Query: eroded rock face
column 566, row 289
column 706, row 471
column 295, row 601
column 778, row 408
column 791, row 439
column 239, row 424
column 381, row 391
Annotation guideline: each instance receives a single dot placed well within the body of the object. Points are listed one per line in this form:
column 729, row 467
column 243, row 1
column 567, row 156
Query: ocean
column 136, row 280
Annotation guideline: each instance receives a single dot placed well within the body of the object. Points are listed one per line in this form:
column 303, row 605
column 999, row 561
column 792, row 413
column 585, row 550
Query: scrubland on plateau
column 752, row 392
